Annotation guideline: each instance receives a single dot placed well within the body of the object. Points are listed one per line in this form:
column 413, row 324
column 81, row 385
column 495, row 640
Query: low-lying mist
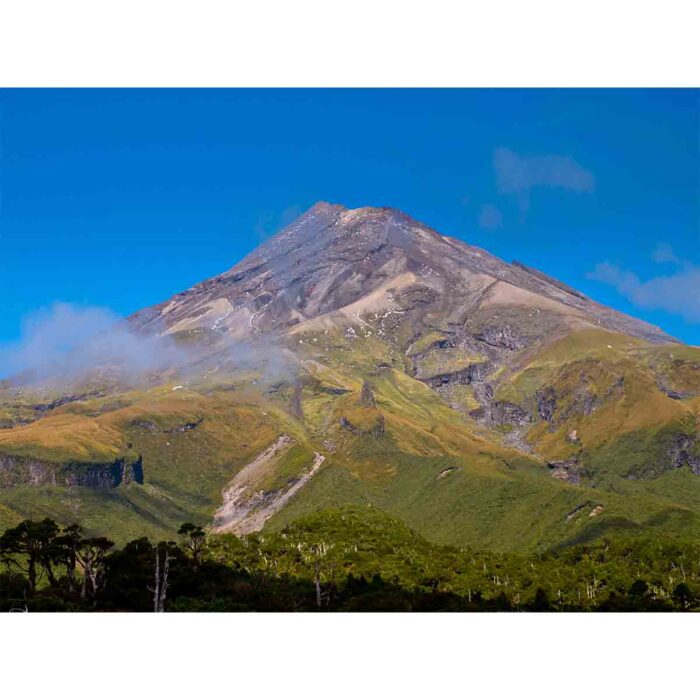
column 66, row 342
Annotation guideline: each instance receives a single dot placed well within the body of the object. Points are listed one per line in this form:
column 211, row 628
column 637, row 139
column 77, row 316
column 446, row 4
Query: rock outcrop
column 684, row 450
column 19, row 471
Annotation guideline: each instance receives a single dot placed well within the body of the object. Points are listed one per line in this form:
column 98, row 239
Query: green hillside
column 359, row 357
column 400, row 447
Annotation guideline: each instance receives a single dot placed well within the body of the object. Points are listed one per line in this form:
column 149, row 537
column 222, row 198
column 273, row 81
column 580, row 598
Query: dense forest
column 350, row 559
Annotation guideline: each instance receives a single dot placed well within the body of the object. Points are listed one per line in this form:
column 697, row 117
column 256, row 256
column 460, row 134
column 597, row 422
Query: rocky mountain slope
column 334, row 266
column 361, row 357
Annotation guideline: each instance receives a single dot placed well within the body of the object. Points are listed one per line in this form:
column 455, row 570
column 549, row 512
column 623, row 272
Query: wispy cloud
column 677, row 293
column 519, row 175
column 67, row 340
column 663, row 253
column 490, row 217
column 64, row 343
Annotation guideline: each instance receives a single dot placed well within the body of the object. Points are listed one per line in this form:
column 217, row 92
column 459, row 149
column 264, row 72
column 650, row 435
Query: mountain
column 359, row 357
column 333, row 264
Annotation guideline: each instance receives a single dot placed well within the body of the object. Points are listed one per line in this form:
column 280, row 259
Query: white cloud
column 518, row 175
column 490, row 217
column 65, row 342
column 678, row 293
column 68, row 340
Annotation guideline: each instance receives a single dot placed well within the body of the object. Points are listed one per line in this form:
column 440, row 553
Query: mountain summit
column 334, row 265
column 360, row 357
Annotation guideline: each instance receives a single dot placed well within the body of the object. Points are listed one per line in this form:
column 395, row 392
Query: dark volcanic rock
column 566, row 470
column 61, row 401
column 676, row 395
column 546, row 403
column 577, row 511
column 19, row 471
column 345, row 424
column 469, row 375
column 503, row 337
column 185, row 427
column 503, row 412
column 334, row 390
column 682, row 450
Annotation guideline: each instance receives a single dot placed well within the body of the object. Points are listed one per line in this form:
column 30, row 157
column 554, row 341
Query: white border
column 354, row 656
column 348, row 44
column 360, row 43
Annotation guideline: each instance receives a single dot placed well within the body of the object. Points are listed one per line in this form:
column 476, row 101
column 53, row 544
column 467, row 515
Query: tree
column 163, row 553
column 194, row 540
column 13, row 591
column 683, row 596
column 638, row 589
column 128, row 577
column 91, row 555
column 67, row 547
column 318, row 553
column 541, row 601
column 31, row 547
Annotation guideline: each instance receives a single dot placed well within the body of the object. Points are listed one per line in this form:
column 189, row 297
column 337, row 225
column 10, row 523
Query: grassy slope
column 632, row 415
column 431, row 466
column 184, row 470
column 494, row 498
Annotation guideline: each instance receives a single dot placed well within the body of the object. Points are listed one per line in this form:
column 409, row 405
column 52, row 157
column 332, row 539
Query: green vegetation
column 425, row 342
column 408, row 451
column 349, row 559
column 445, row 361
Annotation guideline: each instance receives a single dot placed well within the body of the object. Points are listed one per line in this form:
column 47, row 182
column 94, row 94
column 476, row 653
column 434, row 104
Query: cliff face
column 26, row 471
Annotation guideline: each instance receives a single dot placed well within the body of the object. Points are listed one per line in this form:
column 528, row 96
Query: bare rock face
column 504, row 412
column 684, row 450
column 566, row 470
column 334, row 264
column 17, row 471
column 469, row 375
column 501, row 337
column 546, row 403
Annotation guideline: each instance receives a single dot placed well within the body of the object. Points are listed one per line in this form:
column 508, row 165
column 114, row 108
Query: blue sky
column 121, row 198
